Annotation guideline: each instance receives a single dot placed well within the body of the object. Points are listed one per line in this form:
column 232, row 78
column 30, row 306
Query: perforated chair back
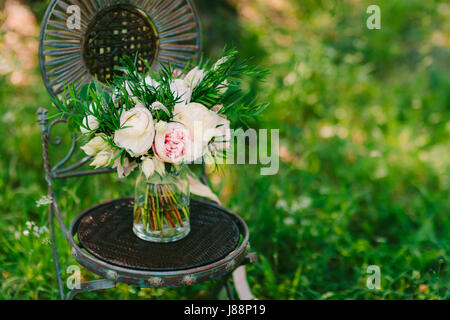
column 83, row 39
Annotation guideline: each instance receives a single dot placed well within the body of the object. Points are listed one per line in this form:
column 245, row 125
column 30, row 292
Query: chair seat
column 217, row 244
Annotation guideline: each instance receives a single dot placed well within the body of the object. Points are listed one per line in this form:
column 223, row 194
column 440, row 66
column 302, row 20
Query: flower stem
column 177, row 214
column 154, row 213
column 145, row 215
column 183, row 208
column 139, row 211
column 157, row 209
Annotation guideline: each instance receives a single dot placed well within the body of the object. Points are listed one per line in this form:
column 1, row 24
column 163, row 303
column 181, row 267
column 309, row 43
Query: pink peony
column 173, row 143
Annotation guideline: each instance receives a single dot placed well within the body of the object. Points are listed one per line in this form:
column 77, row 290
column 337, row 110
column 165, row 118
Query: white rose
column 139, row 104
column 124, row 169
column 180, row 92
column 148, row 167
column 95, row 145
column 137, row 138
column 117, row 94
column 194, row 77
column 90, row 123
column 128, row 88
column 149, row 81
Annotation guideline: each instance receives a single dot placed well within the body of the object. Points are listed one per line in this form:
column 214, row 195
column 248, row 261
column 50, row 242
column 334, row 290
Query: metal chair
column 162, row 32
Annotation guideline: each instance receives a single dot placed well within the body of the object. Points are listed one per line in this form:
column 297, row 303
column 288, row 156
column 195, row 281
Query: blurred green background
column 364, row 125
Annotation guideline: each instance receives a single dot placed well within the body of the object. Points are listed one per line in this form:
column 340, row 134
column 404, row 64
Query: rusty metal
column 91, row 286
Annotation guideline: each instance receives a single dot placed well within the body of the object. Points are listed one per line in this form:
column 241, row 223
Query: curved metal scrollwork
column 58, row 171
column 58, row 141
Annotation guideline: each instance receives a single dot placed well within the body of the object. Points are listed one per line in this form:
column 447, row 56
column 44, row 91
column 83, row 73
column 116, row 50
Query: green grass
column 364, row 125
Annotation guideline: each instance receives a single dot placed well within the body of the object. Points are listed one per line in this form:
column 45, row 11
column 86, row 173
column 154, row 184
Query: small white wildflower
column 289, row 221
column 26, row 232
column 302, row 203
column 8, row 117
column 43, row 229
column 282, row 204
column 46, row 241
column 44, row 201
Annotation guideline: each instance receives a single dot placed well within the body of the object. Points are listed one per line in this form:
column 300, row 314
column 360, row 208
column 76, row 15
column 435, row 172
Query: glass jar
column 161, row 206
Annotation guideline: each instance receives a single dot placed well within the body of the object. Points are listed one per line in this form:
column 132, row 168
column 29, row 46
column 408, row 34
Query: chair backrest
column 81, row 39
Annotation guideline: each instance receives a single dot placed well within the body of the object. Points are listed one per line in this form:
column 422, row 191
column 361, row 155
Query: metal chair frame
column 233, row 264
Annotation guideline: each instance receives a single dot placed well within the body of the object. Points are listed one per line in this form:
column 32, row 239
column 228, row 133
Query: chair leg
column 241, row 284
column 91, row 286
column 229, row 289
column 55, row 254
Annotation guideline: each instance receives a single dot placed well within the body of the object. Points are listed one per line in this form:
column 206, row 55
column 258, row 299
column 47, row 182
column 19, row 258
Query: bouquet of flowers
column 159, row 123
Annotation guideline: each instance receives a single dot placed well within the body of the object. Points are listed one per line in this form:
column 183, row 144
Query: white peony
column 194, row 77
column 95, row 145
column 138, row 133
